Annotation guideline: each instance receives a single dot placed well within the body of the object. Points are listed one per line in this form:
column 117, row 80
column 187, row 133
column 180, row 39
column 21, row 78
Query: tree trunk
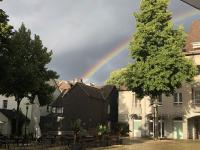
column 17, row 117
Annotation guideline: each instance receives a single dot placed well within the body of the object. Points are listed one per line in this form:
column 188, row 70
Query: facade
column 92, row 105
column 193, row 3
column 31, row 111
column 8, row 107
column 178, row 114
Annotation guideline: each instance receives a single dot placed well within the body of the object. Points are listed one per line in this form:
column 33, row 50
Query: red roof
column 193, row 39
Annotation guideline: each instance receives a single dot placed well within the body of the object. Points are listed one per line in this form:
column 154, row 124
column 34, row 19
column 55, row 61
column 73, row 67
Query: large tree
column 28, row 74
column 5, row 35
column 160, row 66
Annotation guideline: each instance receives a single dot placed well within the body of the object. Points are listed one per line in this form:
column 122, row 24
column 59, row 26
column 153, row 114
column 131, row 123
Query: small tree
column 117, row 77
column 160, row 66
column 28, row 74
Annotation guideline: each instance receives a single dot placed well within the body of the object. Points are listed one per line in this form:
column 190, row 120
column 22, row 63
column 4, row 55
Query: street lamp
column 27, row 106
column 155, row 105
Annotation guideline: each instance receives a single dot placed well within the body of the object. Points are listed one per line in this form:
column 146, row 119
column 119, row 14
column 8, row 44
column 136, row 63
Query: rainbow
column 124, row 46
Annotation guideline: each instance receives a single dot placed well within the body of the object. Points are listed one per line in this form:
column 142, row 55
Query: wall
column 78, row 105
column 5, row 127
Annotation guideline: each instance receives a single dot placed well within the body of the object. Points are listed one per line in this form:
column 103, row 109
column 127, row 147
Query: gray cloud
column 81, row 32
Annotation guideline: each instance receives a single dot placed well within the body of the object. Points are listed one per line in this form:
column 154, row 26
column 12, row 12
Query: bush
column 122, row 128
column 102, row 130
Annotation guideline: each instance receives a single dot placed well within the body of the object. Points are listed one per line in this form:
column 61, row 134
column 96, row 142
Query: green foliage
column 160, row 66
column 102, row 130
column 5, row 34
column 122, row 128
column 76, row 126
column 28, row 74
column 117, row 77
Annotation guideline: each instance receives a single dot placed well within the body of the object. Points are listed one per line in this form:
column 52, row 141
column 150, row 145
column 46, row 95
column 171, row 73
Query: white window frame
column 179, row 98
column 59, row 110
column 5, row 105
column 196, row 45
column 195, row 99
column 53, row 110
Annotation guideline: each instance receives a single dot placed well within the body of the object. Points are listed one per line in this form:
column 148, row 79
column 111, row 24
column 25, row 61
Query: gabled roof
column 91, row 91
column 12, row 114
column 106, row 90
column 193, row 3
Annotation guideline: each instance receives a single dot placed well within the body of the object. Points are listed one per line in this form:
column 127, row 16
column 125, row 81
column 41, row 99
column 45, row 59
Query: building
column 179, row 114
column 193, row 3
column 29, row 113
column 92, row 105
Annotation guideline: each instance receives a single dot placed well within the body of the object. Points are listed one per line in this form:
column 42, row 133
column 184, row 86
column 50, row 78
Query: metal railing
column 196, row 101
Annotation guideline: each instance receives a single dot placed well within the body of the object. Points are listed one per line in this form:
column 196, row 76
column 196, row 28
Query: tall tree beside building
column 160, row 66
column 28, row 73
column 157, row 46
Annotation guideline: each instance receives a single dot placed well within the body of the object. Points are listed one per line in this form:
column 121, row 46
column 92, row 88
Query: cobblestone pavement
column 155, row 145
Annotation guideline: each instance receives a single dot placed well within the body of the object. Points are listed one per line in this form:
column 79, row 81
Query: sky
column 89, row 38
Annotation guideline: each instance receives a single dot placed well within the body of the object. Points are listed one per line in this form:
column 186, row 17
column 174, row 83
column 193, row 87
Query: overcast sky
column 81, row 32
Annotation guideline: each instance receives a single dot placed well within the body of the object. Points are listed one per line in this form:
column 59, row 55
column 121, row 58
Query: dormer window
column 196, row 45
column 57, row 110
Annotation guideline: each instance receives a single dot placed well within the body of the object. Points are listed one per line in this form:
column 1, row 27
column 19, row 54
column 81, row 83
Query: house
column 8, row 121
column 179, row 114
column 8, row 115
column 92, row 105
column 193, row 3
column 29, row 113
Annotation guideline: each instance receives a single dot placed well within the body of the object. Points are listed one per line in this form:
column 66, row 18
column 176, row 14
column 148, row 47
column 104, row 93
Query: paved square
column 156, row 145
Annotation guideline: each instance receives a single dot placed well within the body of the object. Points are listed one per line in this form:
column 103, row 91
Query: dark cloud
column 81, row 32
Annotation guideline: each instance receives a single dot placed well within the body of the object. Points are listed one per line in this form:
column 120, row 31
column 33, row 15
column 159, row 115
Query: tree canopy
column 160, row 65
column 5, row 35
column 117, row 77
column 28, row 73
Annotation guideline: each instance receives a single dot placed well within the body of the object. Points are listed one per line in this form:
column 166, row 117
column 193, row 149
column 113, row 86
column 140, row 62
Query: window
column 198, row 68
column 196, row 45
column 5, row 104
column 53, row 109
column 59, row 110
column 178, row 98
column 196, row 97
column 160, row 99
column 108, row 109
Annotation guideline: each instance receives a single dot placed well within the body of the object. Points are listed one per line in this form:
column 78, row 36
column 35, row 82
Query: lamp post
column 27, row 106
column 156, row 104
column 155, row 120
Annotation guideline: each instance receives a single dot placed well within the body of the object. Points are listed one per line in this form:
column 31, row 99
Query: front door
column 178, row 130
column 196, row 128
column 137, row 128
